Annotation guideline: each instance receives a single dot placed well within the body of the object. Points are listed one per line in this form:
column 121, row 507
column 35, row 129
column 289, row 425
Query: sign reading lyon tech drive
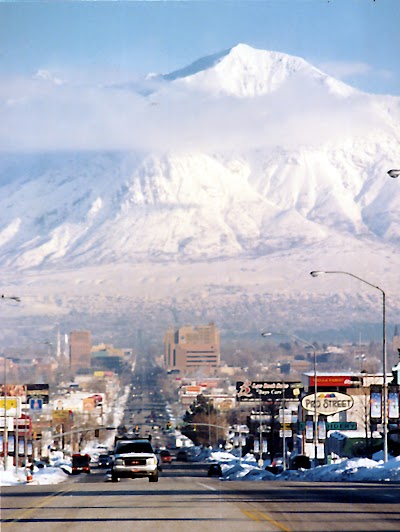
column 328, row 403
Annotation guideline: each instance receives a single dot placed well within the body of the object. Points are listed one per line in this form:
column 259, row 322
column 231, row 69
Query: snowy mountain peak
column 225, row 203
column 244, row 71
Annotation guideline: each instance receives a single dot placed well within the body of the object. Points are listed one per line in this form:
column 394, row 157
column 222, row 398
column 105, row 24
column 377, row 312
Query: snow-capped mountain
column 219, row 184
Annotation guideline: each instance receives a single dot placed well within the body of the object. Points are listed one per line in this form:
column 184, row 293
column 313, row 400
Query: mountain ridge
column 268, row 172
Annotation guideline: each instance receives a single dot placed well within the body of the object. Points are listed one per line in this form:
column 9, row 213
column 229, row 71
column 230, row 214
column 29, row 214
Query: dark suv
column 134, row 459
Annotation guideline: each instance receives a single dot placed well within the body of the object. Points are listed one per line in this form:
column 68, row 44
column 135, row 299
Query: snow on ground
column 352, row 470
column 246, row 469
column 46, row 475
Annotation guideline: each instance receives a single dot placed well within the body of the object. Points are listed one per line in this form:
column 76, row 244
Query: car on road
column 214, row 471
column 134, row 458
column 165, row 456
column 105, row 460
column 182, row 456
column 80, row 463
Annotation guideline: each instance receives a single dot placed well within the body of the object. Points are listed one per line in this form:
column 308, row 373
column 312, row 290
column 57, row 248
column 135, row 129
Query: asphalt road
column 185, row 499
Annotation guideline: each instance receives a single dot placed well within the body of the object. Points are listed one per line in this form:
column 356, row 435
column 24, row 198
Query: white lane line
column 207, row 487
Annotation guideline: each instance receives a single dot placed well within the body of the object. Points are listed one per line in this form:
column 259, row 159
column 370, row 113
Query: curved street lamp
column 385, row 394
column 14, row 298
column 394, row 173
column 304, row 342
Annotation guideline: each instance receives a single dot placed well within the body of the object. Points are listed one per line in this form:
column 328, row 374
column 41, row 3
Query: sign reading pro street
column 328, row 403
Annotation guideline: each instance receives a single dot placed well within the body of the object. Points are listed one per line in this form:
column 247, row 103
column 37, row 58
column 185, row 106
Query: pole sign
column 328, row 403
column 253, row 392
column 393, row 403
column 376, row 403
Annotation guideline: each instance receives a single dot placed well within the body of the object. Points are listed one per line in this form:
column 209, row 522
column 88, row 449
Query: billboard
column 255, row 391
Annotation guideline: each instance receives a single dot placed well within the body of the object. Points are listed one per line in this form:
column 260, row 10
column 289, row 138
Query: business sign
column 88, row 404
column 14, row 390
column 194, row 390
column 13, row 406
column 255, row 391
column 61, row 416
column 327, row 403
column 37, row 391
column 333, row 381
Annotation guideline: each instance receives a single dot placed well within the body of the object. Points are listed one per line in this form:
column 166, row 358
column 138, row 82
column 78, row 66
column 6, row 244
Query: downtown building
column 189, row 348
column 80, row 346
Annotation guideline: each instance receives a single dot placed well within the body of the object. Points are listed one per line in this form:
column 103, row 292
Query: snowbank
column 46, row 475
column 351, row 470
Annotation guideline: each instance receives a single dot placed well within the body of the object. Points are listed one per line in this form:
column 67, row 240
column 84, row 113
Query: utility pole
column 5, row 439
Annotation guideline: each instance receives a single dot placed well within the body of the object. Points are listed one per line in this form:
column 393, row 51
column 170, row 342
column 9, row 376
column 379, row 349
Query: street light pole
column 385, row 390
column 283, row 427
column 260, row 460
column 304, row 342
column 5, row 434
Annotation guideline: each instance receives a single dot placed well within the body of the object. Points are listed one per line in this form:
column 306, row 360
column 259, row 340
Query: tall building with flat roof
column 189, row 348
column 80, row 346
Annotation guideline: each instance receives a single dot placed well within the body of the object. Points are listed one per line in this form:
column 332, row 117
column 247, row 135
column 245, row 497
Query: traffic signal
column 96, row 433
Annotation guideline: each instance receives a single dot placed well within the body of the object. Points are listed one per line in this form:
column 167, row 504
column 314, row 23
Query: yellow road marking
column 29, row 511
column 251, row 515
column 255, row 515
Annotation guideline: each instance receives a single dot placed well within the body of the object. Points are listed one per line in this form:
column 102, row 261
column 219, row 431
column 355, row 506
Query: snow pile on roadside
column 221, row 456
column 354, row 469
column 45, row 476
column 350, row 470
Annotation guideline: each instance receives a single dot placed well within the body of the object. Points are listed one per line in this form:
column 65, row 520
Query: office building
column 189, row 348
column 79, row 350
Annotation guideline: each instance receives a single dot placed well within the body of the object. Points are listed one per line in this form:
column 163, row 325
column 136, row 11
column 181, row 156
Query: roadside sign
column 341, row 425
column 36, row 403
column 334, row 425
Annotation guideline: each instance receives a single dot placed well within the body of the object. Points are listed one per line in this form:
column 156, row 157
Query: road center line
column 272, row 521
column 29, row 511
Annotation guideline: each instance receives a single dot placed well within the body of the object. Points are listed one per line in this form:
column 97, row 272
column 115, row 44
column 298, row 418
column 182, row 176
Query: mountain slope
column 244, row 157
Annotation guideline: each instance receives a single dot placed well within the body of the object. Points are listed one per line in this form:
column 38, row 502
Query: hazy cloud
column 45, row 113
column 347, row 69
